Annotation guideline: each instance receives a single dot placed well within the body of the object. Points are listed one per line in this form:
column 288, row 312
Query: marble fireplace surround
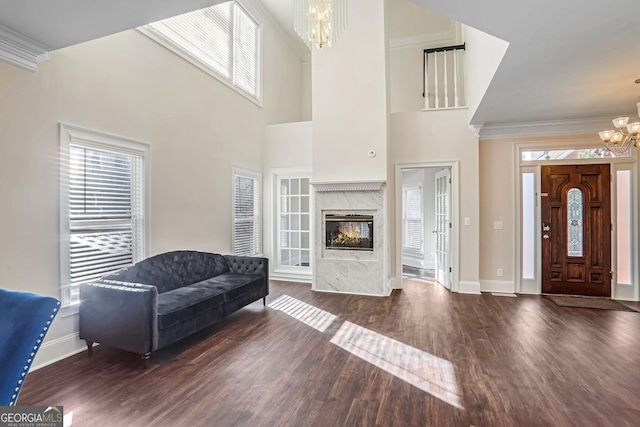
column 351, row 271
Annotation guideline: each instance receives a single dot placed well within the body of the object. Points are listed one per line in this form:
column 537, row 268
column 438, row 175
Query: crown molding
column 348, row 185
column 476, row 129
column 451, row 36
column 20, row 51
column 259, row 11
column 545, row 128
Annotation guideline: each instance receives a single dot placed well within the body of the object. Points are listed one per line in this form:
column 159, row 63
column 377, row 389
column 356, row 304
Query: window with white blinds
column 412, row 227
column 102, row 210
column 247, row 213
column 223, row 40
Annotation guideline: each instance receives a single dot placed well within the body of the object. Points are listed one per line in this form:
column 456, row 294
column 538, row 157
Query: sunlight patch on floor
column 425, row 371
column 429, row 373
column 306, row 313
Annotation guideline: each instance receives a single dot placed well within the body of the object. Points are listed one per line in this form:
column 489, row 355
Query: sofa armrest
column 121, row 314
column 248, row 264
column 251, row 265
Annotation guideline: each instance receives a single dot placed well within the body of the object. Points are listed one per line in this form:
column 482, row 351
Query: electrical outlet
column 498, row 225
column 500, row 272
column 467, row 220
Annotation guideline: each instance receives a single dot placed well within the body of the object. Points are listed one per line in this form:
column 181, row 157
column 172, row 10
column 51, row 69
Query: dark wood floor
column 518, row 362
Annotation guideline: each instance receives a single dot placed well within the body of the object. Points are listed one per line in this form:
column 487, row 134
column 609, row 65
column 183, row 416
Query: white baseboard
column 465, row 287
column 502, row 286
column 352, row 293
column 58, row 349
column 291, row 277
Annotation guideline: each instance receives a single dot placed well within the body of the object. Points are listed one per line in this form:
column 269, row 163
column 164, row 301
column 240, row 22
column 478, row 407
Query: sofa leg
column 90, row 348
column 264, row 301
column 145, row 360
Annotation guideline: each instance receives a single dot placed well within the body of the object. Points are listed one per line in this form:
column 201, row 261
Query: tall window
column 294, row 219
column 102, row 206
column 247, row 215
column 412, row 237
column 223, row 40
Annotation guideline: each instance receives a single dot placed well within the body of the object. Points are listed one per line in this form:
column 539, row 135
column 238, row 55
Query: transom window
column 223, row 40
column 574, row 153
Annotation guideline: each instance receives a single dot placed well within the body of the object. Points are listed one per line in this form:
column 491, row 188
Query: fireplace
column 349, row 232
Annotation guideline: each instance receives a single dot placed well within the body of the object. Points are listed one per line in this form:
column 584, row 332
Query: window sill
column 70, row 310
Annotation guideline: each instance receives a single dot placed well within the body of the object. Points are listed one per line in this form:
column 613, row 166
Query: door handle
column 545, row 236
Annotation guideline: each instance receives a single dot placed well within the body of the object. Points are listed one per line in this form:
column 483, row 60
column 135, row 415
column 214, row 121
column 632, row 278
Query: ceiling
column 565, row 60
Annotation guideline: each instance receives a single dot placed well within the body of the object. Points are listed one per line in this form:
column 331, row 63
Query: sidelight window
column 575, row 226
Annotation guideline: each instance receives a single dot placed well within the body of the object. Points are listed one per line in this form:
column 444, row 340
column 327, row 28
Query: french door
column 293, row 227
column 576, row 229
column 443, row 226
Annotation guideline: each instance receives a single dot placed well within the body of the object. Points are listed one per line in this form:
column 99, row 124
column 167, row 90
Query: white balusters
column 446, row 86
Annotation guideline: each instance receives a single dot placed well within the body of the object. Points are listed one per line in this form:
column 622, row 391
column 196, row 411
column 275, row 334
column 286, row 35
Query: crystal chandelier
column 618, row 140
column 319, row 22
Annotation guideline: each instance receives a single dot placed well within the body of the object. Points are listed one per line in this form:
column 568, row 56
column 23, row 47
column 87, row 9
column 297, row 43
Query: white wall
column 442, row 136
column 408, row 20
column 287, row 145
column 483, row 55
column 128, row 85
column 350, row 99
column 406, row 77
column 306, row 113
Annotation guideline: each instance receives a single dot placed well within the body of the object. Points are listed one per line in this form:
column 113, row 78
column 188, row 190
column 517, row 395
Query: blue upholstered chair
column 25, row 319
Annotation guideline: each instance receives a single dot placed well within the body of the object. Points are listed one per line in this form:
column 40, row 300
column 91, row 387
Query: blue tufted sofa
column 25, row 319
column 167, row 297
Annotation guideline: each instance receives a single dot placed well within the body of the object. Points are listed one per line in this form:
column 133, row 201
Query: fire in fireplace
column 349, row 232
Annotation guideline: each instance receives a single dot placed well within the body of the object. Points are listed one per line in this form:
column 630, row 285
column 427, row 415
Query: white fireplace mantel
column 349, row 185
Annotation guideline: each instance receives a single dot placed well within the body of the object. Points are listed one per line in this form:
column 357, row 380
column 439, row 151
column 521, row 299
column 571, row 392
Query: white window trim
column 304, row 272
column 295, row 274
column 228, row 81
column 249, row 173
column 72, row 134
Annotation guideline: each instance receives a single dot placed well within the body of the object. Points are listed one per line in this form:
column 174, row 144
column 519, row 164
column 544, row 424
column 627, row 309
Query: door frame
column 271, row 211
column 568, row 143
column 594, row 257
column 454, row 248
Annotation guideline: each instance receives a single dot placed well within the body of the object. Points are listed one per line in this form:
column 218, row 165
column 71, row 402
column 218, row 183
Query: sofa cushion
column 173, row 270
column 181, row 304
column 232, row 285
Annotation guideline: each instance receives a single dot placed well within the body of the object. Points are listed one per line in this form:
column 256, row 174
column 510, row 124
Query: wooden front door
column 576, row 230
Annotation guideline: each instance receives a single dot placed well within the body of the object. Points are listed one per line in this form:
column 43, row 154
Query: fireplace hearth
column 349, row 232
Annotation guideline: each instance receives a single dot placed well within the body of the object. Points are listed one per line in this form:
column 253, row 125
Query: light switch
column 467, row 220
column 497, row 225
